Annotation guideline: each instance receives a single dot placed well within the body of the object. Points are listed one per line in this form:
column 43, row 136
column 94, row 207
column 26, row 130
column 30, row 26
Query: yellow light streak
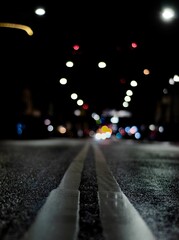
column 27, row 29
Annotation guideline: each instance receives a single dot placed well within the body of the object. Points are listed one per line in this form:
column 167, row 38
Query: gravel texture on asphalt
column 26, row 179
column 90, row 227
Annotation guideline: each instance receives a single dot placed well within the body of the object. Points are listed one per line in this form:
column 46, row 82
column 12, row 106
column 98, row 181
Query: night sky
column 104, row 32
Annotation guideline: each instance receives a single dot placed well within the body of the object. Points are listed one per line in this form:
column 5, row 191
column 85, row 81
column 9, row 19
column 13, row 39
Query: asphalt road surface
column 83, row 189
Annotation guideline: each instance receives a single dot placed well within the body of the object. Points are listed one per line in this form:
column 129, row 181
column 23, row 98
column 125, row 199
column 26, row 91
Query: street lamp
column 167, row 14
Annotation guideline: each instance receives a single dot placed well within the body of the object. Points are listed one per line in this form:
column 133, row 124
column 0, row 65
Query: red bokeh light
column 85, row 106
column 76, row 47
column 134, row 44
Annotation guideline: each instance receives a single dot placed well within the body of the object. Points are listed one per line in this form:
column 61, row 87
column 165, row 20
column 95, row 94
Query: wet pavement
column 83, row 189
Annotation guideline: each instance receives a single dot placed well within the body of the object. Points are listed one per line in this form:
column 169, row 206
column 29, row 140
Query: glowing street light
column 40, row 11
column 167, row 14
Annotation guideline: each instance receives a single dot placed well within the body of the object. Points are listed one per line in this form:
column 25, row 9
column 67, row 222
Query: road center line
column 120, row 220
column 58, row 218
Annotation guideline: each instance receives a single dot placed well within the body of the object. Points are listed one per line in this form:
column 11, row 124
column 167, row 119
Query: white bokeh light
column 101, row 64
column 69, row 64
column 63, row 81
column 40, row 11
column 167, row 14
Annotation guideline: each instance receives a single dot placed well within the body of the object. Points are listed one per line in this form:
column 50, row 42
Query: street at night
column 67, row 63
column 89, row 189
column 89, row 120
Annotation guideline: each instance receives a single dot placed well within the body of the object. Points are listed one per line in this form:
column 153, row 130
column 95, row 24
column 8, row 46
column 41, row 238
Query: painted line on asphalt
column 59, row 216
column 120, row 220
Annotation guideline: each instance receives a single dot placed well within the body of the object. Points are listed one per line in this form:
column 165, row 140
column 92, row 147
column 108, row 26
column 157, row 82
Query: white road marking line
column 120, row 220
column 58, row 218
